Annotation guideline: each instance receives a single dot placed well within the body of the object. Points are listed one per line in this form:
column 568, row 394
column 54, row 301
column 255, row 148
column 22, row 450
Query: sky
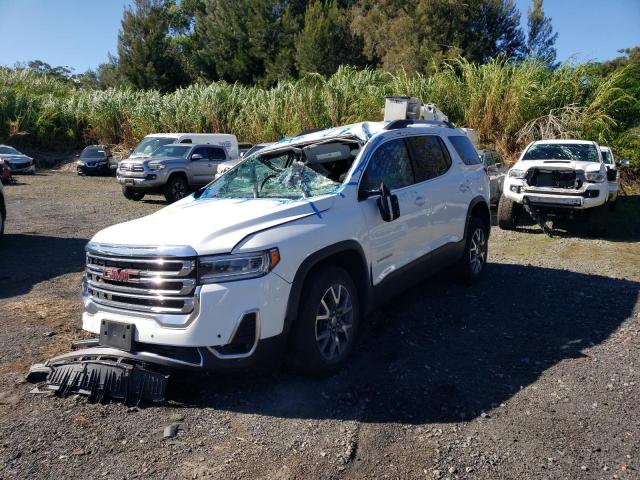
column 80, row 33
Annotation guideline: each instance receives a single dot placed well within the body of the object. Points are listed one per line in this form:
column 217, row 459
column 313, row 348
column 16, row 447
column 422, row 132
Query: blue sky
column 80, row 33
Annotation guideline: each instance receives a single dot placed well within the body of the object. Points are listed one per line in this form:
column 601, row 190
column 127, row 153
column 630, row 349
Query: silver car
column 497, row 171
column 17, row 161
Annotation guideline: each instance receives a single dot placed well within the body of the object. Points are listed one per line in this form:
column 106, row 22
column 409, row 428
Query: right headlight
column 517, row 173
column 594, row 177
column 226, row 268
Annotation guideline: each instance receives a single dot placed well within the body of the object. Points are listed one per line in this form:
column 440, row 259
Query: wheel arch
column 478, row 208
column 347, row 254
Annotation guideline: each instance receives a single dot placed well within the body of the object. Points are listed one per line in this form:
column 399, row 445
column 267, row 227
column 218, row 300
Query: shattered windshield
column 278, row 175
column 584, row 152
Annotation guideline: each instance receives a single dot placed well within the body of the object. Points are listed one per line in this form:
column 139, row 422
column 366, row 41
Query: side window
column 186, row 140
column 217, row 154
column 465, row 149
column 200, row 151
column 390, row 164
column 431, row 157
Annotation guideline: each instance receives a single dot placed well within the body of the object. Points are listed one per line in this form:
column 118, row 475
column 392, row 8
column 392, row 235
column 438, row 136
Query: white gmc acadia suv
column 557, row 179
column 288, row 250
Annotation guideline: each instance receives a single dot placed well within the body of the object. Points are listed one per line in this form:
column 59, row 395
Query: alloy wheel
column 478, row 251
column 334, row 322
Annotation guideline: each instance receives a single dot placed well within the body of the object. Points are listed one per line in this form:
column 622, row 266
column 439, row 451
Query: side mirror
column 388, row 204
column 196, row 156
column 623, row 163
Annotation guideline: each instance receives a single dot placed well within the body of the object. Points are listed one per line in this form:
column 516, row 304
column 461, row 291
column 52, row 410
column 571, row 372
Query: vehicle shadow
column 441, row 352
column 26, row 260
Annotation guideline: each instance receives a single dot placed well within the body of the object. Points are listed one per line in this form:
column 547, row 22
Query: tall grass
column 507, row 104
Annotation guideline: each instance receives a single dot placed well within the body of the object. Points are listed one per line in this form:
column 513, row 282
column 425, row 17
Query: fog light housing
column 151, row 176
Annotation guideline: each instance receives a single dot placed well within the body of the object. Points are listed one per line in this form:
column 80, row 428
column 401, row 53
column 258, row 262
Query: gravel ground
column 533, row 373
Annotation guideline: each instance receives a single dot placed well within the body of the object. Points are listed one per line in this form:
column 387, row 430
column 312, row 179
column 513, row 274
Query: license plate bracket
column 117, row 334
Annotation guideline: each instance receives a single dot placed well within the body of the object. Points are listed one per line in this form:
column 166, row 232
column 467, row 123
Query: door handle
column 420, row 201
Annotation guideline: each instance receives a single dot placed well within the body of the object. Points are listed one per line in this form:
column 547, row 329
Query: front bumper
column 86, row 169
column 23, row 170
column 589, row 196
column 146, row 179
column 214, row 323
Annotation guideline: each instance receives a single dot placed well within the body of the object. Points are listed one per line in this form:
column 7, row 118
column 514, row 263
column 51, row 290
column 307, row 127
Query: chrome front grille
column 131, row 167
column 164, row 285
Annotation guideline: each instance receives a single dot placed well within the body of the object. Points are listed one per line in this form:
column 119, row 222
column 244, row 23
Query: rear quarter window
column 465, row 150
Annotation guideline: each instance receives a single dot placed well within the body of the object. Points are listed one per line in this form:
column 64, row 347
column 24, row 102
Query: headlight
column 156, row 166
column 517, row 173
column 225, row 268
column 595, row 177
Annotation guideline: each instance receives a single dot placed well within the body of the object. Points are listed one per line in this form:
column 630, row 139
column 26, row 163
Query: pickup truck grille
column 146, row 284
column 131, row 167
column 541, row 177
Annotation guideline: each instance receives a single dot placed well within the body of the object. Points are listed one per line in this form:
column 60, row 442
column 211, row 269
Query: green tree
column 326, row 41
column 416, row 35
column 109, row 74
column 541, row 40
column 148, row 56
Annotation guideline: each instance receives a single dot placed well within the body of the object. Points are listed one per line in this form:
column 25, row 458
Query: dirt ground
column 533, row 373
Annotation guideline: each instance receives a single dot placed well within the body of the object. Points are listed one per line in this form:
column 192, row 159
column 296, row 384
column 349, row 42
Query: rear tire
column 507, row 213
column 472, row 265
column 131, row 194
column 176, row 189
column 321, row 346
column 597, row 221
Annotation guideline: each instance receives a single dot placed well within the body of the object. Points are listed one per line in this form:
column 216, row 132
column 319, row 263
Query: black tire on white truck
column 507, row 213
column 131, row 194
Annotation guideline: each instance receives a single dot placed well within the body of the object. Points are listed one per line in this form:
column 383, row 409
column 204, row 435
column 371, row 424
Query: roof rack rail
column 396, row 124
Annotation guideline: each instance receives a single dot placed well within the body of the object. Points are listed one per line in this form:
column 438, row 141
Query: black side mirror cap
column 388, row 204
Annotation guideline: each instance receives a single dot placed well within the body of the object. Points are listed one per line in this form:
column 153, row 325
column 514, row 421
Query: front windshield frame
column 7, row 150
column 148, row 145
column 172, row 151
column 582, row 152
column 295, row 179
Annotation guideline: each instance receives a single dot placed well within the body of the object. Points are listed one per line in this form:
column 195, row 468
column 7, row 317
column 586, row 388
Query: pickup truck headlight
column 594, row 177
column 226, row 268
column 156, row 166
column 517, row 173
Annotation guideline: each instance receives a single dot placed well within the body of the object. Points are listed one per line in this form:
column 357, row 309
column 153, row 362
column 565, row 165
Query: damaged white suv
column 286, row 252
column 559, row 180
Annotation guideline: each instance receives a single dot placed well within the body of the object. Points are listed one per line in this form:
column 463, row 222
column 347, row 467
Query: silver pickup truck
column 172, row 170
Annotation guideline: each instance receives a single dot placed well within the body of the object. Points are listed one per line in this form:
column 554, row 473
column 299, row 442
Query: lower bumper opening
column 244, row 340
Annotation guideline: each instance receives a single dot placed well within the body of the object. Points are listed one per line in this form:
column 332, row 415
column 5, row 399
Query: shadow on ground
column 442, row 352
column 26, row 260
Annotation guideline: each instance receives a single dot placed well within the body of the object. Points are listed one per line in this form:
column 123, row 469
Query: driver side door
column 391, row 244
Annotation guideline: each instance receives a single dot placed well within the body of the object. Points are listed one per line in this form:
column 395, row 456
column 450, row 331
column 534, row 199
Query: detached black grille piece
column 104, row 380
column 244, row 338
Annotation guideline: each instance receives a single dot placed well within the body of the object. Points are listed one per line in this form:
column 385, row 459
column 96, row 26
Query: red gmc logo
column 118, row 275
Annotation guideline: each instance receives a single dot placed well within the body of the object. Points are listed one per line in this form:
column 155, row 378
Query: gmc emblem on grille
column 118, row 275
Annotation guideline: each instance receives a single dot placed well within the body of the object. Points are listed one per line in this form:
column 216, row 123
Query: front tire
column 176, row 189
column 471, row 266
column 507, row 213
column 324, row 332
column 131, row 194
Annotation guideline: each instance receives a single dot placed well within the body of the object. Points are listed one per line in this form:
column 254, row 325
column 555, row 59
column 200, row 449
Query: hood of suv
column 559, row 165
column 210, row 226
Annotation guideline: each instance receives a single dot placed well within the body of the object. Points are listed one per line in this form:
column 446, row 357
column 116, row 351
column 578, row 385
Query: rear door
column 435, row 179
column 217, row 155
column 391, row 244
column 468, row 181
column 201, row 168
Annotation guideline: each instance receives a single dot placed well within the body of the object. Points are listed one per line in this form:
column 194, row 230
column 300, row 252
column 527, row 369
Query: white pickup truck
column 282, row 255
column 557, row 179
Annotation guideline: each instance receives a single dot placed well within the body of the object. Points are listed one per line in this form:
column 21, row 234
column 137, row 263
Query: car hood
column 560, row 165
column 210, row 226
column 14, row 158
